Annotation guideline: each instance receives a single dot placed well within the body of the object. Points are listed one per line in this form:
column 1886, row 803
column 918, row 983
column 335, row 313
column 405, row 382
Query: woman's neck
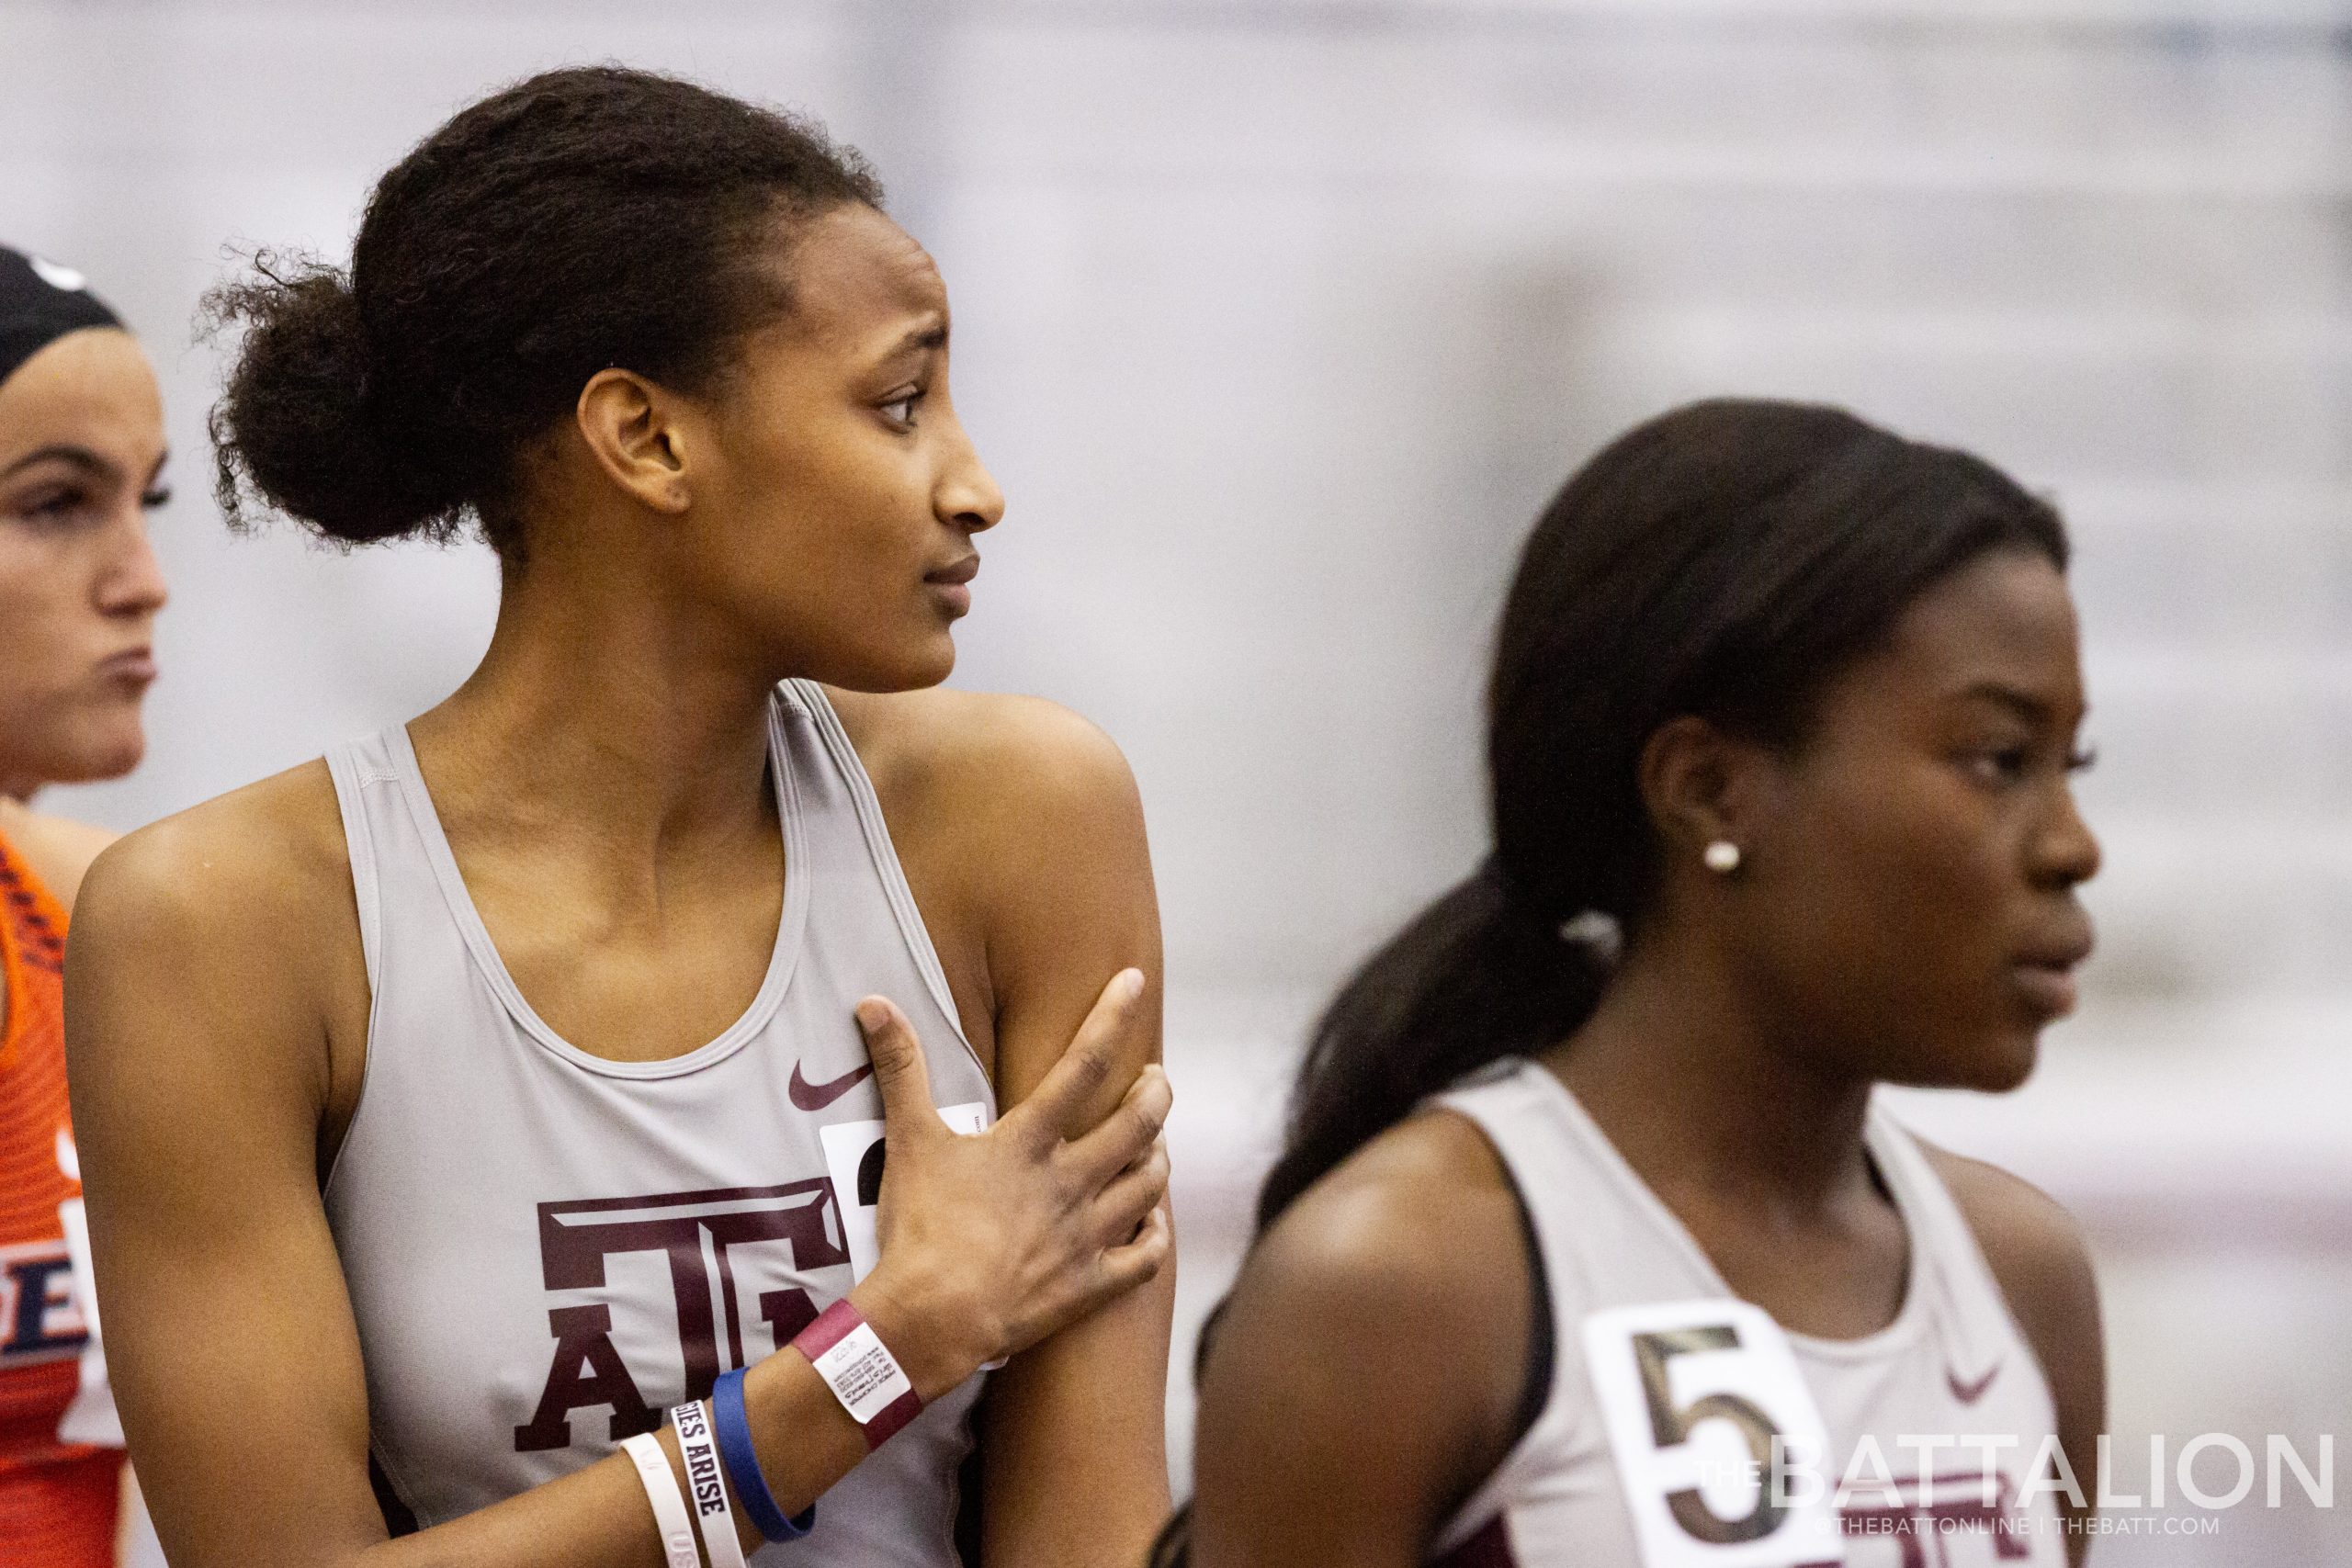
column 1701, row 1092
column 603, row 712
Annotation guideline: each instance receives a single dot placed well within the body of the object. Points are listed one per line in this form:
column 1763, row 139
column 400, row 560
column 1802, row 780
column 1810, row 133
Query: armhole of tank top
column 400, row 1519
column 1485, row 1502
column 1963, row 1250
column 827, row 724
column 359, row 848
column 1543, row 1331
column 29, row 902
column 344, row 766
column 16, row 1002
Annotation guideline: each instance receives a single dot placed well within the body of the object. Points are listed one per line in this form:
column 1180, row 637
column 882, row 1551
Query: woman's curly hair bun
column 582, row 219
column 293, row 432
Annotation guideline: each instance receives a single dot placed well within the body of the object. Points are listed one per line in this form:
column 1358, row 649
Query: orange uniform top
column 57, row 1499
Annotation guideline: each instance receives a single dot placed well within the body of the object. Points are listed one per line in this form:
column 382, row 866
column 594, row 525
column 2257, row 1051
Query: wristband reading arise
column 707, row 1484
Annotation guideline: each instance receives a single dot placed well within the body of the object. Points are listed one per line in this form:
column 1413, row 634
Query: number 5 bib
column 1717, row 1439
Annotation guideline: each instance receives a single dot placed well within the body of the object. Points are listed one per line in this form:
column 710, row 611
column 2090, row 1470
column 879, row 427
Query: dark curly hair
column 582, row 219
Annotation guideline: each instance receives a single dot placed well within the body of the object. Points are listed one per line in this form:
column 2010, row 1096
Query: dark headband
column 40, row 302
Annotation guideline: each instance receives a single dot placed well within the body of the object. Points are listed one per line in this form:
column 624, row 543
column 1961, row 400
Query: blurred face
column 845, row 497
column 81, row 457
column 1913, row 888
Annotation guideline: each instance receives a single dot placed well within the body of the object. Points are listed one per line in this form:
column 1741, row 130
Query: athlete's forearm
column 599, row 1518
column 806, row 1441
column 1088, row 1402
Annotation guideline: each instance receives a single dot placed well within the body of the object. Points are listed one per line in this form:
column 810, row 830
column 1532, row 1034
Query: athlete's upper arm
column 1363, row 1378
column 1022, row 835
column 1074, row 1451
column 1062, row 874
column 199, row 1072
column 2039, row 1259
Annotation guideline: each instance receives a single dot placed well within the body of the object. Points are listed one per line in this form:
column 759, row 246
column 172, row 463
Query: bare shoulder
column 1374, row 1259
column 1407, row 1271
column 254, row 866
column 2040, row 1261
column 1010, row 815
column 2035, row 1247
column 59, row 849
column 1421, row 1204
column 983, row 749
column 228, row 931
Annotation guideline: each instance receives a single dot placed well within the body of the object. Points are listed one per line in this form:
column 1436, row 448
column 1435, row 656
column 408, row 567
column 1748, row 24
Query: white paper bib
column 853, row 1162
column 1700, row 1400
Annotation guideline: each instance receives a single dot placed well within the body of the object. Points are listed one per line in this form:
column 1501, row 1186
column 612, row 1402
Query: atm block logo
column 697, row 1234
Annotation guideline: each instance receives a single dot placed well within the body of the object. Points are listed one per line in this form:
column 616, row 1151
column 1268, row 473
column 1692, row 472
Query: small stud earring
column 1721, row 857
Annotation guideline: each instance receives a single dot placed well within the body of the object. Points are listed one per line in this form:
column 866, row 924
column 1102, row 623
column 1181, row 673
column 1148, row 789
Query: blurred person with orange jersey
column 81, row 454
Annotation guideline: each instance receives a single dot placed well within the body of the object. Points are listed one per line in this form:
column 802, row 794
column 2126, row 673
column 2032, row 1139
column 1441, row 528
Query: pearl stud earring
column 1721, row 857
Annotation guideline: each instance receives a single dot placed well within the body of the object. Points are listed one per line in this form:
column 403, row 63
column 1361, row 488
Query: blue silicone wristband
column 733, row 1424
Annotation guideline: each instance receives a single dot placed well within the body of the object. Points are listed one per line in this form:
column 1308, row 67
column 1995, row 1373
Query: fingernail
column 1130, row 984
column 872, row 1015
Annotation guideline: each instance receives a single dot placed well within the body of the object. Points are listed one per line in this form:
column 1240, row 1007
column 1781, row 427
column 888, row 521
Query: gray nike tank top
column 1928, row 1442
column 545, row 1249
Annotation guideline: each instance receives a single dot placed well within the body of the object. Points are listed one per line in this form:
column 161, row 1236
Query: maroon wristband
column 861, row 1371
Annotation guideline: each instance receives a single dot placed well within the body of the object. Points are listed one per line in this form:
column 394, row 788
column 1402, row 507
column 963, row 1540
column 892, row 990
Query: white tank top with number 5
column 1925, row 1444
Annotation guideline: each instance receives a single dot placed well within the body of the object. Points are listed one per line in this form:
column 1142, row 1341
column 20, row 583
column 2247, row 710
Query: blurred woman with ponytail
column 1589, row 1245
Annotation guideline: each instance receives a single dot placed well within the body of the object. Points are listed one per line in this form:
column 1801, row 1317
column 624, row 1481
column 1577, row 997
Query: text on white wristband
column 669, row 1504
column 707, row 1484
column 862, row 1374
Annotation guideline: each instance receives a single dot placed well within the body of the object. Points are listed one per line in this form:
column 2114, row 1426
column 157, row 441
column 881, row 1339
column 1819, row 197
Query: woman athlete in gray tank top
column 1587, row 1217
column 455, row 1107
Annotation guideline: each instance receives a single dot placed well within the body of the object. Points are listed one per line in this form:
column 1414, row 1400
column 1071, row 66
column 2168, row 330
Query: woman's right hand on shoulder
column 212, row 959
column 991, row 1241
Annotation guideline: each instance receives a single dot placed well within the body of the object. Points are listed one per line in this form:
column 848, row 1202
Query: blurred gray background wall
column 1279, row 320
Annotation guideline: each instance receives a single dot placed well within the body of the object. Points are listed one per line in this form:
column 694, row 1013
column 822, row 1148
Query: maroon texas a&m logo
column 696, row 1233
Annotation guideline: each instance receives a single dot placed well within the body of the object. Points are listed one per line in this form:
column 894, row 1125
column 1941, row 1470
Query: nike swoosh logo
column 816, row 1096
column 1970, row 1392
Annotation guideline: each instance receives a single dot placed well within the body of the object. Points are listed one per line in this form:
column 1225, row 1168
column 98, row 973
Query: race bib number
column 1716, row 1437
column 853, row 1164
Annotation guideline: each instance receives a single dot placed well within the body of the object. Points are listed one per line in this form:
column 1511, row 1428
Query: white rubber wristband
column 707, row 1484
column 669, row 1503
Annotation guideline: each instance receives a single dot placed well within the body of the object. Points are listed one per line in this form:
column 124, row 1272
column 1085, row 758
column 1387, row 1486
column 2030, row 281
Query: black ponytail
column 1474, row 978
column 1723, row 560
